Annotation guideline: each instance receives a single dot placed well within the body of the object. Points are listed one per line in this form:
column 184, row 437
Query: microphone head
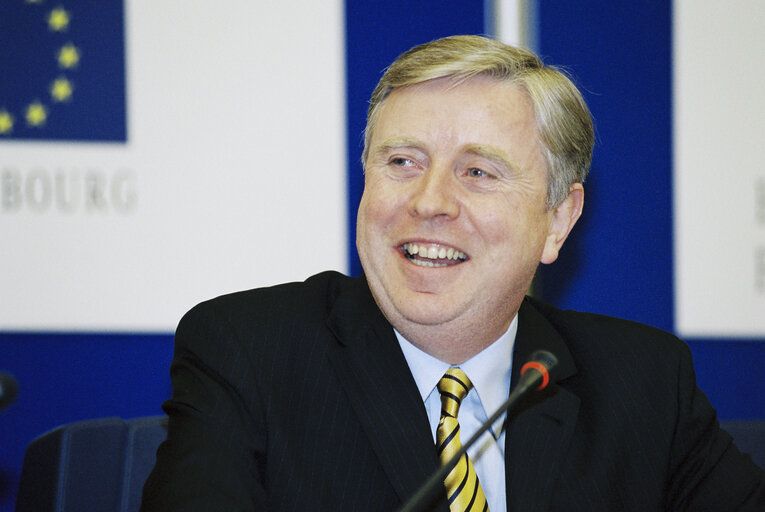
column 9, row 389
column 543, row 362
column 547, row 359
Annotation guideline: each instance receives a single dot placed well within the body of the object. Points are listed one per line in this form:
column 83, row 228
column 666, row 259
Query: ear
column 564, row 216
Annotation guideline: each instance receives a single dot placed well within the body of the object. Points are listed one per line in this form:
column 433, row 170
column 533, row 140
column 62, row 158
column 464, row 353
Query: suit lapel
column 540, row 429
column 381, row 389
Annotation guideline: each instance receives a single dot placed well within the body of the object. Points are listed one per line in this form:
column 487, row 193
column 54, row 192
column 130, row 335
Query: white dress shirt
column 489, row 371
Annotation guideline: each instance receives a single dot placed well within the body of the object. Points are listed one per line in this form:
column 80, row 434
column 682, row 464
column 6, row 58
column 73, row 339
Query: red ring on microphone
column 536, row 365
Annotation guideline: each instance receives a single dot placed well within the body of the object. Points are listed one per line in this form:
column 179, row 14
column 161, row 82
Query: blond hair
column 564, row 123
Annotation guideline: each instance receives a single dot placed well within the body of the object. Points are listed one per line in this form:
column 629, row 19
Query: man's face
column 453, row 221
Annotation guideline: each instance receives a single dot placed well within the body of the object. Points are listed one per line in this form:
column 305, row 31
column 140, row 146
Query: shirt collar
column 489, row 370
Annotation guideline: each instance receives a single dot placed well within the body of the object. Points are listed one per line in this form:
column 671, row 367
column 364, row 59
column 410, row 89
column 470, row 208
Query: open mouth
column 428, row 255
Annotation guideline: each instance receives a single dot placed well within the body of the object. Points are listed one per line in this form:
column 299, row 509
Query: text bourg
column 90, row 190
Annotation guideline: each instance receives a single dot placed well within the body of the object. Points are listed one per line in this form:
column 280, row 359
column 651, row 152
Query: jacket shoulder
column 316, row 294
column 594, row 330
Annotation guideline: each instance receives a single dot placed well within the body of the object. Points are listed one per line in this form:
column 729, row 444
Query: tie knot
column 453, row 386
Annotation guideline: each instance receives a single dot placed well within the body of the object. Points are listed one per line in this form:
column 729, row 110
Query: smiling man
column 457, row 168
column 347, row 393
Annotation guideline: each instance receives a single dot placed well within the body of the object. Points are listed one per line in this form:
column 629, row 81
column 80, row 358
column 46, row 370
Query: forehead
column 477, row 112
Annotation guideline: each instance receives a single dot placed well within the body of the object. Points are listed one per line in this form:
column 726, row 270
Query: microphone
column 9, row 388
column 535, row 376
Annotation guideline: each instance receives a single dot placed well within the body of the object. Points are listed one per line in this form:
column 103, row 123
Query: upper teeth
column 434, row 253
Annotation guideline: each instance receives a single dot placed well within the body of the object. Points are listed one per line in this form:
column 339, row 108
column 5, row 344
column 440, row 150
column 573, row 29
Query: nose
column 434, row 195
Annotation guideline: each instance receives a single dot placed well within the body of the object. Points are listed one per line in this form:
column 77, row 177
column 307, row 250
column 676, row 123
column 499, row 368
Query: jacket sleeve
column 214, row 455
column 708, row 472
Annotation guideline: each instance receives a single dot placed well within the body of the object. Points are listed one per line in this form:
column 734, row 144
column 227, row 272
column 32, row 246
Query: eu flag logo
column 62, row 70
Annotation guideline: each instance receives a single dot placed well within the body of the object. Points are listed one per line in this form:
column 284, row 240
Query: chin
column 428, row 310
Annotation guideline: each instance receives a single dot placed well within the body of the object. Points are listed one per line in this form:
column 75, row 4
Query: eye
column 474, row 172
column 402, row 162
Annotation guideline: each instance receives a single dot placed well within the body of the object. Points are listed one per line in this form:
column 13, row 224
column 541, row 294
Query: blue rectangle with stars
column 62, row 70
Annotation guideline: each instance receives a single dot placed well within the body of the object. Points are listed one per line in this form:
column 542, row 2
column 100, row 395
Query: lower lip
column 429, row 264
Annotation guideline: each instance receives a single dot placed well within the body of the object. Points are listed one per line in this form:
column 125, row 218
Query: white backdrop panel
column 719, row 182
column 233, row 175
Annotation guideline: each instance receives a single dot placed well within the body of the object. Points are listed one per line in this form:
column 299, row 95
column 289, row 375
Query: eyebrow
column 397, row 143
column 493, row 154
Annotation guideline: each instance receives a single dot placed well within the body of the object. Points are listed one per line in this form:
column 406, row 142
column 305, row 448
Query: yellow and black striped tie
column 462, row 486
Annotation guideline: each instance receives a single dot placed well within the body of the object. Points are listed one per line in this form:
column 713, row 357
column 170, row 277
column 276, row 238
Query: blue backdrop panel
column 377, row 33
column 619, row 259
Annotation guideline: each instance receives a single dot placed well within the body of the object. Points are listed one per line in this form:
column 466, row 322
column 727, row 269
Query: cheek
column 498, row 221
column 371, row 227
column 378, row 208
column 364, row 234
column 513, row 230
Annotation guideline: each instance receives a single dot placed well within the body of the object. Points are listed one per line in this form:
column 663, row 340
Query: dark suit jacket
column 298, row 398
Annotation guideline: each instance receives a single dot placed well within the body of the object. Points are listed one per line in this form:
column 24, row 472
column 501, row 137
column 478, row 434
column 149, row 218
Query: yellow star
column 61, row 89
column 68, row 56
column 6, row 122
column 34, row 1
column 58, row 19
column 36, row 114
